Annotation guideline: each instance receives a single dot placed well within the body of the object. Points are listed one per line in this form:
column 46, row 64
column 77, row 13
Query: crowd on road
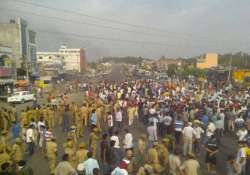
column 182, row 119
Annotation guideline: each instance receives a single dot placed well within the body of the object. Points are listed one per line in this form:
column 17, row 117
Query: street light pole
column 230, row 67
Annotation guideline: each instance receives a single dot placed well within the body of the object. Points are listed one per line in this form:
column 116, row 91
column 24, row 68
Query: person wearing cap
column 81, row 153
column 190, row 166
column 51, row 151
column 79, row 123
column 23, row 118
column 69, row 150
column 51, row 117
column 72, row 134
column 84, row 114
column 22, row 168
column 17, row 151
column 93, row 139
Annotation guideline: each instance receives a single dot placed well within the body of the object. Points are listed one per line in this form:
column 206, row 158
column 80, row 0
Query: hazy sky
column 174, row 27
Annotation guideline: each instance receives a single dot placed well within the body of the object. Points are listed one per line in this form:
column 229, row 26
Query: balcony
column 5, row 72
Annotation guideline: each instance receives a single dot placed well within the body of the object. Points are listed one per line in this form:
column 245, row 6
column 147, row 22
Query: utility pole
column 230, row 67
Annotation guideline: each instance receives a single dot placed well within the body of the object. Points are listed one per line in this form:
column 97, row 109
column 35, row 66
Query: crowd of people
column 141, row 127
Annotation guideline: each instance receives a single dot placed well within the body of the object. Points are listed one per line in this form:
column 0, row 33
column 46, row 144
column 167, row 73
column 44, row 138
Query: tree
column 172, row 68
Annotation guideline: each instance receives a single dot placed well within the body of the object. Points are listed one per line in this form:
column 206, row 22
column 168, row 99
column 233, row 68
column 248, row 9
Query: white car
column 21, row 97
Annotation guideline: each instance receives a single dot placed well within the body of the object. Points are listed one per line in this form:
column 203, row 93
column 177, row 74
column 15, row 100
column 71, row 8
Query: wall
column 210, row 60
column 10, row 36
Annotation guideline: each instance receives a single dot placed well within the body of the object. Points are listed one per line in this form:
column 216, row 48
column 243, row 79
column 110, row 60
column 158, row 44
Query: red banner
column 5, row 72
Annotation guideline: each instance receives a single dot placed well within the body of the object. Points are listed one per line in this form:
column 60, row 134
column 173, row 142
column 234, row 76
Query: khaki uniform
column 45, row 114
column 37, row 115
column 24, row 119
column 70, row 151
column 93, row 139
column 4, row 143
column 30, row 115
column 79, row 124
column 152, row 156
column 51, row 148
column 4, row 157
column 51, row 118
column 17, row 151
column 61, row 111
column 163, row 154
column 5, row 123
column 81, row 155
column 85, row 114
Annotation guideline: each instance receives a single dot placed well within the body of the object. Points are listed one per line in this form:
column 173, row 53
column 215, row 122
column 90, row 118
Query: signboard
column 5, row 72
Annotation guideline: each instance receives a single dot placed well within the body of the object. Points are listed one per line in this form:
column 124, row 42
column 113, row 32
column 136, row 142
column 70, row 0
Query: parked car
column 21, row 97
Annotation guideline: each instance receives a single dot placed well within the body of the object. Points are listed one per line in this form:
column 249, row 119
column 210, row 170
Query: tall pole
column 27, row 69
column 230, row 67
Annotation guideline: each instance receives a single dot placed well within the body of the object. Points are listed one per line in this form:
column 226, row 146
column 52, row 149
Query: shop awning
column 6, row 81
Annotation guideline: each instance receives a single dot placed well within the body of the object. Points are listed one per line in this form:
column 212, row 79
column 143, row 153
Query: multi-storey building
column 22, row 41
column 74, row 59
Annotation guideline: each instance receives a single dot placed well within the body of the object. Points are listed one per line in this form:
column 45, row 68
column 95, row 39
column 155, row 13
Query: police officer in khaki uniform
column 85, row 114
column 81, row 153
column 23, row 118
column 79, row 123
column 17, row 151
column 51, row 117
column 4, row 157
column 163, row 154
column 4, row 142
column 70, row 151
column 51, row 150
column 93, row 139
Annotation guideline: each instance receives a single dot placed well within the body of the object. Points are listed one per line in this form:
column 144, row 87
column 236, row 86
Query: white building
column 73, row 59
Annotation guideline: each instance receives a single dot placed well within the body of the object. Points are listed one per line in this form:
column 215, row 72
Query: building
column 163, row 63
column 22, row 41
column 50, row 64
column 209, row 61
column 6, row 70
column 74, row 59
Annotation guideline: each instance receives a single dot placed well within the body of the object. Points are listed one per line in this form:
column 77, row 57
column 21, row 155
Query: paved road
column 40, row 164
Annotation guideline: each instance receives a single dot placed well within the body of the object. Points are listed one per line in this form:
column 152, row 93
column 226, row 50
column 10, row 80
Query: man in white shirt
column 241, row 134
column 90, row 164
column 116, row 139
column 152, row 133
column 198, row 131
column 30, row 140
column 128, row 140
column 187, row 133
column 210, row 129
column 118, row 118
